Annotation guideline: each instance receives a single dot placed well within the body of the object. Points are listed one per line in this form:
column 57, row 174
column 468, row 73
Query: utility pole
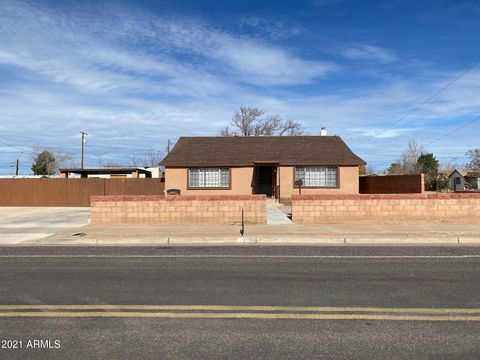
column 84, row 140
column 16, row 169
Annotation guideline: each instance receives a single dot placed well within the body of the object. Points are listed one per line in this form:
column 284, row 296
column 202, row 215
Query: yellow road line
column 291, row 316
column 243, row 308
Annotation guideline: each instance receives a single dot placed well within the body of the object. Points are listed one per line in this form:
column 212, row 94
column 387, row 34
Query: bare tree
column 408, row 161
column 226, row 131
column 447, row 168
column 409, row 158
column 110, row 164
column 366, row 170
column 291, row 127
column 151, row 158
column 246, row 120
column 249, row 121
column 64, row 160
column 474, row 164
column 268, row 126
column 394, row 169
column 56, row 160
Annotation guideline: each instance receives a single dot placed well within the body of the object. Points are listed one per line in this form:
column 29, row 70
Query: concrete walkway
column 268, row 234
column 18, row 224
column 275, row 216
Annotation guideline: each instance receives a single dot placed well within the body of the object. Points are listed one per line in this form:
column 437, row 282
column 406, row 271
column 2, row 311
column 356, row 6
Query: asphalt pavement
column 241, row 302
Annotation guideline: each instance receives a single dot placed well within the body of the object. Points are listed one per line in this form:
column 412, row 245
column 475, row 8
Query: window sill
column 209, row 188
column 318, row 187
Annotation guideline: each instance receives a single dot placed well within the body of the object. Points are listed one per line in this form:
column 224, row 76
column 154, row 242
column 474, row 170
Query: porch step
column 275, row 215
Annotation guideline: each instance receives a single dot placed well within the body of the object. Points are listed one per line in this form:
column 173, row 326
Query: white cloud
column 383, row 133
column 247, row 60
column 263, row 65
column 369, row 52
column 105, row 56
column 132, row 80
column 272, row 27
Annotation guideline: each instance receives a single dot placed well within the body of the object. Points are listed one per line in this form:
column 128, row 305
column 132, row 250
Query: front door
column 265, row 180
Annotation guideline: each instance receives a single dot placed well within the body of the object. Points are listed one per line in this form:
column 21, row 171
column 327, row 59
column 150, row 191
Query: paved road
column 242, row 302
column 19, row 224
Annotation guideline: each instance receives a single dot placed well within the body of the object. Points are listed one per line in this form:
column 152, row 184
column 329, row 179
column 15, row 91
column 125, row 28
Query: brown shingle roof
column 246, row 150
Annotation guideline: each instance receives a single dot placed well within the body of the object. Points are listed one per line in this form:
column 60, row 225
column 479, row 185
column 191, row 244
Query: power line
column 116, row 147
column 388, row 155
column 429, row 98
column 31, row 150
column 16, row 147
column 454, row 130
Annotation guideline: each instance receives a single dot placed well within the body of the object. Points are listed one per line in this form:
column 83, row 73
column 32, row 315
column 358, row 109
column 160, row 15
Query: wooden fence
column 392, row 184
column 72, row 192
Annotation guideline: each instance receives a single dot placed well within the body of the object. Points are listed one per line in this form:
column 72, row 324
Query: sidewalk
column 267, row 234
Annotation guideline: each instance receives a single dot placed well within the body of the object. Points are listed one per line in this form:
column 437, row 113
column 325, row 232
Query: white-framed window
column 208, row 178
column 317, row 176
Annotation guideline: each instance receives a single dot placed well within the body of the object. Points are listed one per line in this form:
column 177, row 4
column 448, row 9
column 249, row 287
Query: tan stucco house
column 270, row 165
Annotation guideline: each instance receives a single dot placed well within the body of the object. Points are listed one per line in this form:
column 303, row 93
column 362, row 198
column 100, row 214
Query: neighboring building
column 456, row 180
column 473, row 179
column 28, row 176
column 155, row 172
column 262, row 165
column 107, row 172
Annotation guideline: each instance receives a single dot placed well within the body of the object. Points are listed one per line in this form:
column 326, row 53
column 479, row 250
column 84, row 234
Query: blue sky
column 134, row 73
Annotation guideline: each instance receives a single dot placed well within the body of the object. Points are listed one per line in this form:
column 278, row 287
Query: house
column 107, row 172
column 472, row 178
column 456, row 180
column 270, row 165
column 28, row 176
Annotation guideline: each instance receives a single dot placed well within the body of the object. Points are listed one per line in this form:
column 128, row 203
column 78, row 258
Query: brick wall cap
column 178, row 198
column 471, row 195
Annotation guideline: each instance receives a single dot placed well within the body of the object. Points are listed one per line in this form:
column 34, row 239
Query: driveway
column 18, row 224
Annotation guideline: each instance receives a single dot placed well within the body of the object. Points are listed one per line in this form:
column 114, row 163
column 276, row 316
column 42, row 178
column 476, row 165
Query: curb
column 228, row 240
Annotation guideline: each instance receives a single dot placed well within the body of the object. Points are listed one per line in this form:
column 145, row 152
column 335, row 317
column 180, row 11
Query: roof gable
column 234, row 151
column 457, row 172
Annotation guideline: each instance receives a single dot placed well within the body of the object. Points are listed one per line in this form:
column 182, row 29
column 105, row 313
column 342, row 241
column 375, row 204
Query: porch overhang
column 266, row 162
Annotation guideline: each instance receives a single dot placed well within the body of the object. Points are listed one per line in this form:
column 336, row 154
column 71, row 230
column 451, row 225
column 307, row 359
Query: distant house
column 27, row 176
column 270, row 165
column 456, row 180
column 472, row 178
column 108, row 172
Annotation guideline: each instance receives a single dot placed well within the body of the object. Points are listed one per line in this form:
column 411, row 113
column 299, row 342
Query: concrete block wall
column 177, row 210
column 448, row 208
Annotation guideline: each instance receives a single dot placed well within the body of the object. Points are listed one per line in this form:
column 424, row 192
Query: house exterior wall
column 460, row 186
column 347, row 182
column 241, row 182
